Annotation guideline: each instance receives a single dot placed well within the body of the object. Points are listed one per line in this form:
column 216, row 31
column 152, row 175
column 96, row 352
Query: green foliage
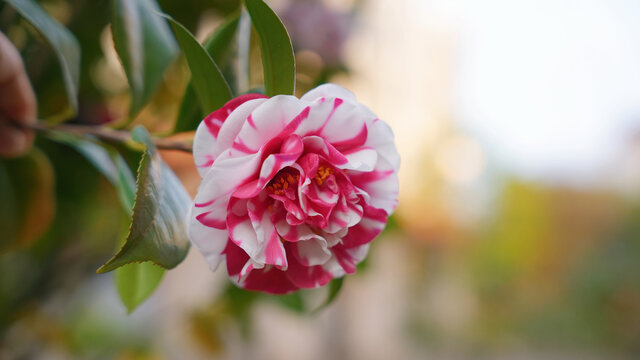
column 28, row 205
column 334, row 289
column 157, row 232
column 136, row 281
column 207, row 79
column 294, row 302
column 64, row 45
column 278, row 60
column 108, row 162
column 145, row 46
column 156, row 201
column 218, row 46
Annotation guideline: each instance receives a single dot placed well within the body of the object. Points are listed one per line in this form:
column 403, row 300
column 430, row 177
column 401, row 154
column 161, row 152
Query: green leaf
column 293, row 302
column 108, row 162
column 158, row 231
column 27, row 204
column 334, row 289
column 218, row 46
column 278, row 60
column 64, row 45
column 145, row 46
column 208, row 82
column 135, row 282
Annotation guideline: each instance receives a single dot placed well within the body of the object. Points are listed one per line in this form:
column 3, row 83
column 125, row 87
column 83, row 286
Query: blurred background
column 518, row 230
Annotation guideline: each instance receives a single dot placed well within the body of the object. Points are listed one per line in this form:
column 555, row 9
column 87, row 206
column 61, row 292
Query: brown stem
column 107, row 134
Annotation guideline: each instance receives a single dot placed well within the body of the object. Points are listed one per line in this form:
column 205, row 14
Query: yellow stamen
column 282, row 182
column 322, row 174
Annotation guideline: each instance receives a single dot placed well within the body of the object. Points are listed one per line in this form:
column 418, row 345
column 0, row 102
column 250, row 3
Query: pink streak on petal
column 293, row 125
column 248, row 190
column 309, row 164
column 357, row 140
column 215, row 119
column 236, row 258
column 336, row 103
column 208, row 163
column 367, row 177
column 274, row 252
column 214, row 223
column 240, row 146
column 372, row 223
column 344, row 259
column 201, row 205
column 251, row 123
column 270, row 280
column 318, row 145
column 306, row 277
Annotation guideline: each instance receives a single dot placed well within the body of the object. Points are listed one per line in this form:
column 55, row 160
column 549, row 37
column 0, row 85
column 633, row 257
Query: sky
column 551, row 88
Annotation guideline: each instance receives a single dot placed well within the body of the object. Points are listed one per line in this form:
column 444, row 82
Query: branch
column 104, row 133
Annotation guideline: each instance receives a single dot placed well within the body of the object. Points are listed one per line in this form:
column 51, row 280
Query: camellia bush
column 292, row 191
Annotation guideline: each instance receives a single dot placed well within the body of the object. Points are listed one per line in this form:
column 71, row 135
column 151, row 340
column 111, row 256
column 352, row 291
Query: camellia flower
column 293, row 190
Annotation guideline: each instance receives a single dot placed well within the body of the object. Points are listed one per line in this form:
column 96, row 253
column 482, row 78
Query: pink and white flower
column 293, row 190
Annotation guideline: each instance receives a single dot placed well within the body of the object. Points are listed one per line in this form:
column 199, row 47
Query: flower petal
column 347, row 258
column 209, row 241
column 205, row 142
column 270, row 280
column 278, row 116
column 270, row 251
column 242, row 271
column 381, row 185
column 311, row 252
column 327, row 91
column 307, row 277
column 381, row 138
column 372, row 222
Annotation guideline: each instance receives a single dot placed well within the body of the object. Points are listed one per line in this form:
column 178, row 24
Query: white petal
column 269, row 119
column 231, row 127
column 209, row 241
column 313, row 251
column 381, row 138
column 226, row 175
column 206, row 147
column 328, row 91
column 243, row 235
column 364, row 159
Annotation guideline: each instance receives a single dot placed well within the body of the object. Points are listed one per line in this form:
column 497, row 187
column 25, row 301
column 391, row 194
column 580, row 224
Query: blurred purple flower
column 315, row 27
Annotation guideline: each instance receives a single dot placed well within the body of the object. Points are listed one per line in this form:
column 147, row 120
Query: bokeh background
column 518, row 230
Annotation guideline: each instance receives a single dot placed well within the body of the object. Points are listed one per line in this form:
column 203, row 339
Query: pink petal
column 347, row 258
column 307, row 277
column 208, row 132
column 360, row 159
column 311, row 252
column 381, row 139
column 209, row 241
column 318, row 145
column 242, row 234
column 372, row 222
column 381, row 184
column 270, row 249
column 236, row 259
column 269, row 120
column 294, row 233
column 269, row 280
column 223, row 177
column 328, row 91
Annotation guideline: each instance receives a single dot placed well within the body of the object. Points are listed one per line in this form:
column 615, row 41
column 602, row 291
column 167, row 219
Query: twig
column 104, row 133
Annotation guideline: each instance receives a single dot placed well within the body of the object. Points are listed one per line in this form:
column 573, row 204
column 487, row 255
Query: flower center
column 281, row 182
column 322, row 174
